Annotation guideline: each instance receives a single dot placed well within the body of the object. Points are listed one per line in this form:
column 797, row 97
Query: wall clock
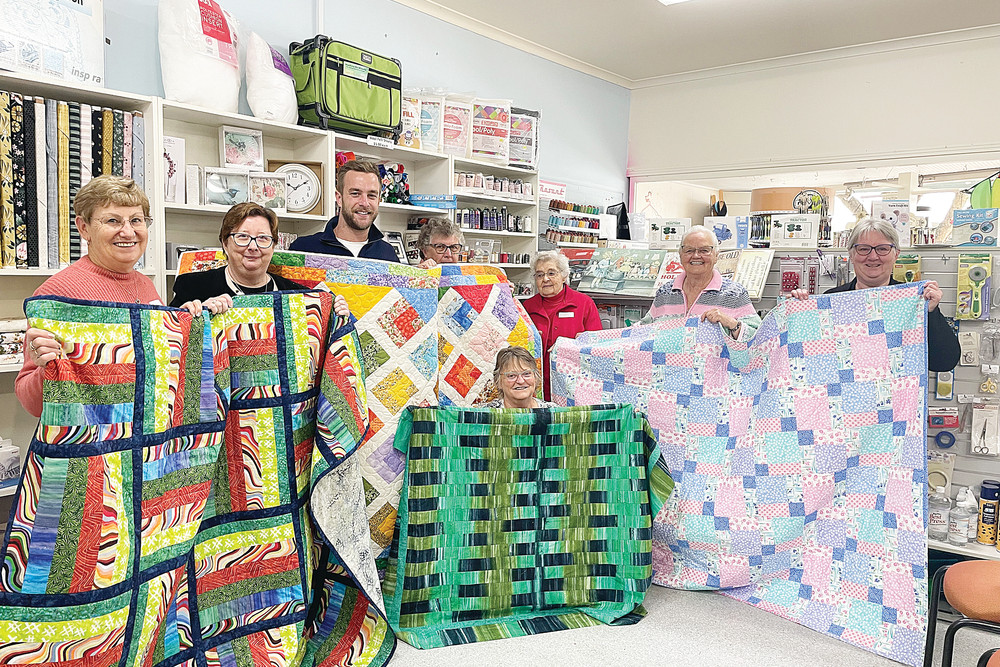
column 304, row 193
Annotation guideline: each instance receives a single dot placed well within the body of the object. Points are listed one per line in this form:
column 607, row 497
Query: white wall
column 584, row 130
column 922, row 99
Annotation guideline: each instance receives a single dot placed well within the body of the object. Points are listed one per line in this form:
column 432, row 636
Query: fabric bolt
column 191, row 495
column 427, row 336
column 107, row 141
column 75, row 168
column 31, row 199
column 65, row 221
column 117, row 142
column 7, row 235
column 52, row 182
column 799, row 457
column 517, row 522
column 18, row 189
column 86, row 144
column 127, row 144
column 97, row 141
column 139, row 149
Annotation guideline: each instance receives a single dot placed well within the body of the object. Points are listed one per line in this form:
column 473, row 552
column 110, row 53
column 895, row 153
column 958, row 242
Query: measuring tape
column 944, row 439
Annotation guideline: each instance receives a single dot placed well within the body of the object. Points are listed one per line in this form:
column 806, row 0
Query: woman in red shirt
column 557, row 309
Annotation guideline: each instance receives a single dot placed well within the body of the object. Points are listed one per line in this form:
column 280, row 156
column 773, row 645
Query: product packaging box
column 975, row 227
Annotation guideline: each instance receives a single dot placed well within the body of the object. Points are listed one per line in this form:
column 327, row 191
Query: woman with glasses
column 700, row 290
column 873, row 247
column 516, row 376
column 557, row 309
column 440, row 241
column 112, row 216
column 248, row 234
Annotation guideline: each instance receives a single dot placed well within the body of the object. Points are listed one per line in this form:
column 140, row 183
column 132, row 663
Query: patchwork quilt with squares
column 799, row 457
column 427, row 337
column 192, row 495
column 517, row 522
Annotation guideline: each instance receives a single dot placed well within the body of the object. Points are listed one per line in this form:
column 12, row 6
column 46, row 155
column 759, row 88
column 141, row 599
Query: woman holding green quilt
column 517, row 376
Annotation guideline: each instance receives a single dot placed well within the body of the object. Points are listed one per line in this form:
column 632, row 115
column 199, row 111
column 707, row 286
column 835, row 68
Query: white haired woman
column 873, row 247
column 516, row 376
column 557, row 309
column 701, row 290
column 440, row 241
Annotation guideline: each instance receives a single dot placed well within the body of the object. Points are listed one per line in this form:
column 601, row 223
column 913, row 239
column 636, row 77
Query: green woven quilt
column 517, row 522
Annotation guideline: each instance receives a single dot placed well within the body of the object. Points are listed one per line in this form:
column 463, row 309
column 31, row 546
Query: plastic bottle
column 939, row 507
column 960, row 518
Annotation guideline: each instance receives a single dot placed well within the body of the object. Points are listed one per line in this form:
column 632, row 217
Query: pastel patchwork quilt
column 192, row 495
column 427, row 337
column 799, row 457
column 517, row 522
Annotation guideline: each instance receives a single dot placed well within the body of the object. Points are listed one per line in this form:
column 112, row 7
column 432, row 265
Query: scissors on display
column 989, row 386
column 981, row 447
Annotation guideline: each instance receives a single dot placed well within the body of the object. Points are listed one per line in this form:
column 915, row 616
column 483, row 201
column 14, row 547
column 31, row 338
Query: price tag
column 380, row 142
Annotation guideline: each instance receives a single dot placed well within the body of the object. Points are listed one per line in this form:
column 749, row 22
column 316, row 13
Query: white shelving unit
column 972, row 549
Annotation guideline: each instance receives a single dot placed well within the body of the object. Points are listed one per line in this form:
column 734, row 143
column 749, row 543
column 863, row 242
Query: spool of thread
column 944, row 439
column 988, row 500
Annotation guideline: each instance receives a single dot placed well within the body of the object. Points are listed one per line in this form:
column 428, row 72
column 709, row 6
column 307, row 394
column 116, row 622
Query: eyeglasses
column 243, row 240
column 551, row 275
column 864, row 249
column 138, row 222
column 511, row 377
column 441, row 247
column 707, row 250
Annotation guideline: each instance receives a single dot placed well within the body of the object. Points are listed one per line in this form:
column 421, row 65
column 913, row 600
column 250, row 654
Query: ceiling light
column 672, row 2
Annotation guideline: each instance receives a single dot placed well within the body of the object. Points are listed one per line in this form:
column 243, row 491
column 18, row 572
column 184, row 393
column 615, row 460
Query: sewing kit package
column 733, row 231
column 410, row 135
column 457, row 124
column 524, row 137
column 974, row 271
column 491, row 130
column 795, row 231
column 431, row 122
column 975, row 227
column 907, row 268
column 897, row 213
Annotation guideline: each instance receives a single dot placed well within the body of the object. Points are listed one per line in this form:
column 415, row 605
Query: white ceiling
column 635, row 42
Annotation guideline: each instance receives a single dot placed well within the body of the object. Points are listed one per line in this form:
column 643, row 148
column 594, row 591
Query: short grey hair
column 555, row 257
column 701, row 229
column 438, row 227
column 883, row 227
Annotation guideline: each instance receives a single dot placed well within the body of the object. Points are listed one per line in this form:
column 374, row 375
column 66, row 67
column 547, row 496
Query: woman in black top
column 874, row 247
column 248, row 234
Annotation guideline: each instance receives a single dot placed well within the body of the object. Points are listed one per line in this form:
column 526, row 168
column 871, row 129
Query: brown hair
column 359, row 166
column 108, row 190
column 508, row 356
column 240, row 212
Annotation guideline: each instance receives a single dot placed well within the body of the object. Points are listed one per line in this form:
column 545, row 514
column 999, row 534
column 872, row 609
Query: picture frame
column 316, row 167
column 241, row 147
column 395, row 239
column 225, row 186
column 270, row 190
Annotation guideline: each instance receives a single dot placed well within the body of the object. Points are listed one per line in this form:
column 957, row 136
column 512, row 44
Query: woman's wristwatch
column 735, row 331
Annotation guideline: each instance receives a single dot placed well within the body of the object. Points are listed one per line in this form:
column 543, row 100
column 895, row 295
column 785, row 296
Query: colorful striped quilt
column 427, row 337
column 799, row 457
column 192, row 495
column 517, row 522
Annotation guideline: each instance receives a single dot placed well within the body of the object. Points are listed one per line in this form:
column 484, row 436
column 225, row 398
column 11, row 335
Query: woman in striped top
column 701, row 291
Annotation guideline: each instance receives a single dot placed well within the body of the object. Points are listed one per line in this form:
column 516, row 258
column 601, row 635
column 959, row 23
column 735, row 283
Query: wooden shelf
column 973, row 549
column 570, row 244
column 483, row 195
column 10, row 368
column 410, row 208
column 497, row 232
column 189, row 113
column 219, row 211
column 8, row 491
column 360, row 147
column 574, row 214
column 29, row 273
column 467, row 164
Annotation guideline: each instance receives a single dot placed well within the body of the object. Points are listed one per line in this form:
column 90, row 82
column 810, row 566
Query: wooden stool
column 973, row 588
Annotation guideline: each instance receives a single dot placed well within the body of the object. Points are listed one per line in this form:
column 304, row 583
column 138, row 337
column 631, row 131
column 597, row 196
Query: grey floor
column 682, row 628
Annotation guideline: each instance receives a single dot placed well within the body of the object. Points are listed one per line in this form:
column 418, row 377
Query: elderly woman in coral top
column 557, row 309
column 700, row 290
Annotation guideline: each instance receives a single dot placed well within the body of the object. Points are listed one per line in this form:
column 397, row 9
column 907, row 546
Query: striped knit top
column 722, row 293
